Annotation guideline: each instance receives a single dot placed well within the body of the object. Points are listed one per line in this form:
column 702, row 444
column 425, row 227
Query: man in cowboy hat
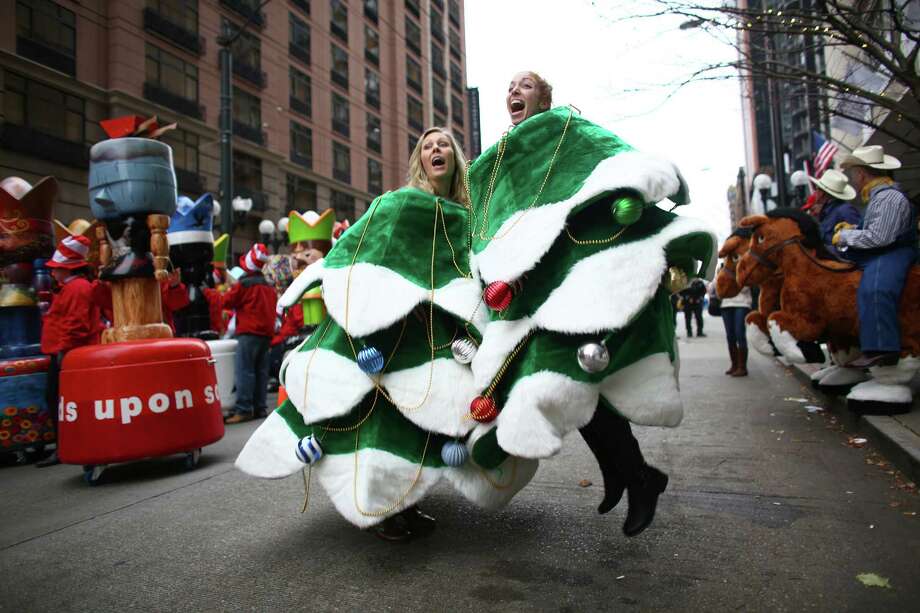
column 884, row 245
column 75, row 317
column 830, row 204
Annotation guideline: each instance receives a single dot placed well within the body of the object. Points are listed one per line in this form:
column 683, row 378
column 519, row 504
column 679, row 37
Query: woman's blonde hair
column 419, row 179
column 544, row 88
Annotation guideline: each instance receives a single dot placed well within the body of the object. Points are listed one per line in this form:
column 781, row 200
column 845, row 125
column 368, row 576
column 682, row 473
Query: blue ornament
column 308, row 450
column 370, row 360
column 454, row 453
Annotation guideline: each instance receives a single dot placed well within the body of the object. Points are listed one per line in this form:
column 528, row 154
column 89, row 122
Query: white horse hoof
column 786, row 344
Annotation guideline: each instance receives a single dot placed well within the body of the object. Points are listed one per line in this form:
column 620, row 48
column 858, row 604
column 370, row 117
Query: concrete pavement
column 769, row 508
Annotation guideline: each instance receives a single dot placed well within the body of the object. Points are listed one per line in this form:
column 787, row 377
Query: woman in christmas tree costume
column 574, row 259
column 379, row 396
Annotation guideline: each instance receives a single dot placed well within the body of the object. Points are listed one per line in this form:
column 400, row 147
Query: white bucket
column 224, row 351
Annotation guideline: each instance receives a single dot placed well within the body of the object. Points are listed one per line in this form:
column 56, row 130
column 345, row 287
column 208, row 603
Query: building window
column 344, row 205
column 371, row 10
column 47, row 34
column 248, row 9
column 371, row 88
column 458, row 134
column 371, row 45
column 247, row 175
column 416, row 113
column 437, row 24
column 413, row 7
column 440, row 120
column 455, row 45
column 374, row 133
column 339, row 72
column 247, row 54
column 301, row 145
column 301, row 98
column 44, row 109
column 413, row 36
column 171, row 74
column 438, row 95
column 412, row 141
column 456, row 110
column 247, row 116
column 341, row 162
column 185, row 160
column 299, row 45
column 413, row 74
column 303, row 5
column 456, row 77
column 338, row 24
column 176, row 21
column 301, row 194
column 340, row 115
column 437, row 60
column 453, row 12
column 374, row 176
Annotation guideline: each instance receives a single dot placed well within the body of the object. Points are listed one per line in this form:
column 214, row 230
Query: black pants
column 694, row 310
column 52, row 389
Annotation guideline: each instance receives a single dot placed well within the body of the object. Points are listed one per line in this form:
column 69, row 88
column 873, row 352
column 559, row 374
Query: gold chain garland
column 596, row 241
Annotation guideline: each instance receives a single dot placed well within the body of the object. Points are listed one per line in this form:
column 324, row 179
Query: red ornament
column 498, row 295
column 483, row 409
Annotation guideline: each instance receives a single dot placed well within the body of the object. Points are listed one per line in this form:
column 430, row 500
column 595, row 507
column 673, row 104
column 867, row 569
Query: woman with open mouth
column 378, row 407
column 574, row 259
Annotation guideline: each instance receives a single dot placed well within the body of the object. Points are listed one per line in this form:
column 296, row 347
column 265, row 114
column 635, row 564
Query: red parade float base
column 137, row 399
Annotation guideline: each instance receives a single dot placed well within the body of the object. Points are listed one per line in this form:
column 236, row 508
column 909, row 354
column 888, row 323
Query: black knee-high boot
column 618, row 453
column 596, row 435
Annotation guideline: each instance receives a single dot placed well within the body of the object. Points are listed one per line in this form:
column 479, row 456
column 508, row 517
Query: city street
column 768, row 509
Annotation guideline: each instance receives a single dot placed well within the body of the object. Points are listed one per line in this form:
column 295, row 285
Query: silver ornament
column 593, row 357
column 464, row 350
column 454, row 453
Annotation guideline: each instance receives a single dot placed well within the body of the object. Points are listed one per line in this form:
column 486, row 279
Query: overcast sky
column 592, row 61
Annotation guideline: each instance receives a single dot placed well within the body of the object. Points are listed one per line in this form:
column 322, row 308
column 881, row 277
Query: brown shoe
column 872, row 359
column 741, row 368
column 238, row 418
column 733, row 352
column 393, row 529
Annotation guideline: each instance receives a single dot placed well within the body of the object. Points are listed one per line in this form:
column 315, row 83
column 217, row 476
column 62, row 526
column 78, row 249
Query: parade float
column 141, row 393
column 26, row 240
column 193, row 252
column 818, row 302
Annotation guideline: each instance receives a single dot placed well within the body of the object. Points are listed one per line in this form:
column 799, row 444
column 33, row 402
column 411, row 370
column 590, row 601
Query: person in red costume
column 254, row 300
column 173, row 296
column 75, row 317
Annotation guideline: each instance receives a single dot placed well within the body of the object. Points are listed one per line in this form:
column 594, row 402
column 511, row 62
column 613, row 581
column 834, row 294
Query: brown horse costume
column 770, row 282
column 818, row 302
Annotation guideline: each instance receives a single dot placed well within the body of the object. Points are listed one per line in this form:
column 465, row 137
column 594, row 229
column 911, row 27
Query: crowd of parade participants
column 840, row 270
column 472, row 318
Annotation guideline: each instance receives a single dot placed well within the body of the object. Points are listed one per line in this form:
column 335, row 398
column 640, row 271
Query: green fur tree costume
column 408, row 280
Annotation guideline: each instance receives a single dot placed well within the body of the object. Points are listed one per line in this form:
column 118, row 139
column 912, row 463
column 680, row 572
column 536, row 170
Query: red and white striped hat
column 71, row 253
column 254, row 259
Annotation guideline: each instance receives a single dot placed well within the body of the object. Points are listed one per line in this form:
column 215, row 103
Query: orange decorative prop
column 133, row 400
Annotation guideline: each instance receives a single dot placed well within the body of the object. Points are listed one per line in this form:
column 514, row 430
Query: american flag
column 825, row 153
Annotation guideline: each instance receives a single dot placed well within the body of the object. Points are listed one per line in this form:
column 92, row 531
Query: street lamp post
column 799, row 182
column 776, row 133
column 763, row 184
column 272, row 234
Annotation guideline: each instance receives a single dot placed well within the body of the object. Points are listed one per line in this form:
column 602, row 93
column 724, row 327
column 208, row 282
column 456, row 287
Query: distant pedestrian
column 253, row 299
column 692, row 299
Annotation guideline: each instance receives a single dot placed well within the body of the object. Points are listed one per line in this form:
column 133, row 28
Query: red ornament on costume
column 483, row 409
column 498, row 295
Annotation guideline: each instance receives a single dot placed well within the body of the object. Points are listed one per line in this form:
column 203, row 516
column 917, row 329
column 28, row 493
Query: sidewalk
column 896, row 436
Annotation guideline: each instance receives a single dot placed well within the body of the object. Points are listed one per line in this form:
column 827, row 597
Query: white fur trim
column 540, row 410
column 298, row 287
column 499, row 340
column 183, row 237
column 844, row 356
column 785, row 343
column 269, row 452
column 606, row 290
column 536, row 229
column 646, row 392
column 472, row 483
column 446, row 408
column 335, row 384
column 816, row 376
column 382, row 479
column 873, row 391
column 379, row 297
column 758, row 340
column 900, row 374
column 838, row 375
